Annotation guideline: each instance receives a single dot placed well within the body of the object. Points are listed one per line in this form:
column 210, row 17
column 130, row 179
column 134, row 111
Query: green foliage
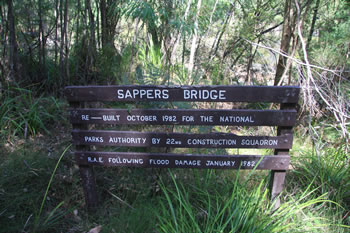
column 25, row 175
column 194, row 201
column 22, row 114
column 179, row 201
column 234, row 207
column 55, row 214
column 328, row 171
column 331, row 44
column 151, row 70
column 108, row 66
column 143, row 10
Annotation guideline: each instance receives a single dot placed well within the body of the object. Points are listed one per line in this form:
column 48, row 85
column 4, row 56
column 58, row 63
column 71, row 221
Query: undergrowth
column 316, row 197
column 155, row 200
column 24, row 114
column 235, row 208
column 328, row 172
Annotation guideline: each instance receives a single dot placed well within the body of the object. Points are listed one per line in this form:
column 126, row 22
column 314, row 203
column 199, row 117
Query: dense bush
column 23, row 114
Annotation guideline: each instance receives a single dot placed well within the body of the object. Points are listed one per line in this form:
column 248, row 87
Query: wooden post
column 278, row 176
column 86, row 171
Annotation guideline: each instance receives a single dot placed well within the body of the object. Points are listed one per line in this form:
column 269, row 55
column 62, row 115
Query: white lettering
column 187, row 118
column 204, row 94
column 95, row 160
column 126, row 140
column 120, row 94
column 206, row 118
column 212, row 142
column 93, row 139
column 261, row 142
column 167, row 118
column 159, row 161
column 85, row 117
column 221, row 163
column 187, row 162
column 237, row 119
column 155, row 140
column 110, row 117
column 186, row 94
column 118, row 160
column 222, row 94
column 141, row 118
column 143, row 94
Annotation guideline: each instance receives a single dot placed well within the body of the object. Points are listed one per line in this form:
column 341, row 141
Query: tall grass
column 328, row 172
column 235, row 208
column 54, row 215
column 22, row 114
column 29, row 200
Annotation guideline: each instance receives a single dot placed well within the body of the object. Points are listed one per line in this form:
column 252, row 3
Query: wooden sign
column 183, row 117
column 274, row 94
column 81, row 117
column 169, row 160
column 182, row 140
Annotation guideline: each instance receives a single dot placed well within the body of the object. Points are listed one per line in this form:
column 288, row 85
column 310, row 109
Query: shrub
column 22, row 114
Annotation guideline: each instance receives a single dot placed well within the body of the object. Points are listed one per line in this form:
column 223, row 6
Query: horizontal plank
column 169, row 160
column 183, row 117
column 179, row 140
column 275, row 94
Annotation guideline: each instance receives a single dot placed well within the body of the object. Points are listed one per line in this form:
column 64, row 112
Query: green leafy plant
column 233, row 208
column 55, row 214
column 22, row 114
column 328, row 170
column 152, row 71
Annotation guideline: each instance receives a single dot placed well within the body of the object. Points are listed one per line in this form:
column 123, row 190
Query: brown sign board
column 169, row 160
column 125, row 93
column 180, row 140
column 81, row 117
column 239, row 117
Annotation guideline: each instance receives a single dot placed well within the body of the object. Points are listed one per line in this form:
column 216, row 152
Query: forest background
column 46, row 45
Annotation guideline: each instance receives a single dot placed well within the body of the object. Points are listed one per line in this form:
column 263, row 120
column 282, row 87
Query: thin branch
column 119, row 199
column 293, row 59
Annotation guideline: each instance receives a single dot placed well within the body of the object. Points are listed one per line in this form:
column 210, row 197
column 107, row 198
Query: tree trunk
column 166, row 32
column 91, row 49
column 156, row 39
column 103, row 10
column 39, row 37
column 41, row 41
column 173, row 53
column 109, row 21
column 134, row 40
column 62, row 73
column 66, row 63
column 219, row 35
column 314, row 17
column 56, row 32
column 194, row 40
column 63, row 48
column 13, row 47
column 98, row 34
column 77, row 30
column 250, row 62
column 92, row 25
column 285, row 41
column 3, row 36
